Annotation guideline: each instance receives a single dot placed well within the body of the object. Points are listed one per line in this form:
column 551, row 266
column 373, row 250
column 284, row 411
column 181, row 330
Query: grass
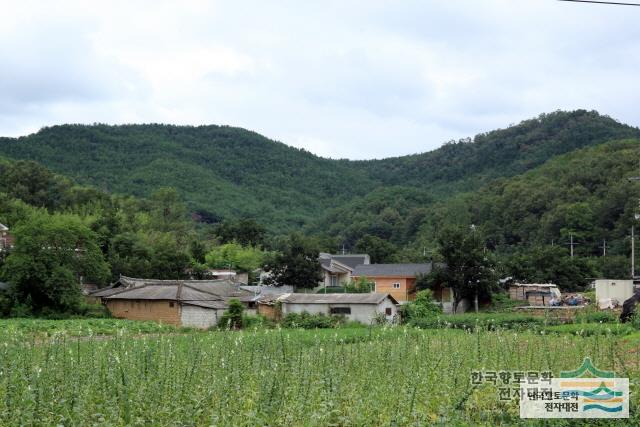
column 285, row 377
column 82, row 327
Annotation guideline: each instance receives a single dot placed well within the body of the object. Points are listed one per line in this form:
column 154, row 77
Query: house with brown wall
column 178, row 304
column 397, row 280
column 190, row 303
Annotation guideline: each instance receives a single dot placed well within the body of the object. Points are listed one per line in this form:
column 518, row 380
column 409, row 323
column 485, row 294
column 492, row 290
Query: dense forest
column 167, row 201
column 226, row 173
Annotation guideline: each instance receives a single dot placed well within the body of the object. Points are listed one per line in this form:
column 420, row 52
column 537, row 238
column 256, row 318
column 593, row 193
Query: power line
column 612, row 3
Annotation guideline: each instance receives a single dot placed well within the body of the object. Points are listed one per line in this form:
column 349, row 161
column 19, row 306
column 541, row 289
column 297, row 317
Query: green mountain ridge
column 226, row 173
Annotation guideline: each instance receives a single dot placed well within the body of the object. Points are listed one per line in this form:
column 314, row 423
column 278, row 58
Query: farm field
column 350, row 376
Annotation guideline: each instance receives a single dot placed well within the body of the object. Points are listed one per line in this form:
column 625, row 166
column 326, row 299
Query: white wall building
column 363, row 308
column 612, row 289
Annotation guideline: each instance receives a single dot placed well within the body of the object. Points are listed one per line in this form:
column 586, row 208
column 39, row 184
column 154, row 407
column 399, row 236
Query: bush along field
column 284, row 377
column 38, row 328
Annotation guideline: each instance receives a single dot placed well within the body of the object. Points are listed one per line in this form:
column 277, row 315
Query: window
column 340, row 310
column 334, row 281
column 387, row 311
column 396, row 285
column 171, row 304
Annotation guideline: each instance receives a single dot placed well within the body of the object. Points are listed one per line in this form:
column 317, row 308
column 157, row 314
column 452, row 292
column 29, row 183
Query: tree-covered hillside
column 500, row 153
column 586, row 193
column 226, row 173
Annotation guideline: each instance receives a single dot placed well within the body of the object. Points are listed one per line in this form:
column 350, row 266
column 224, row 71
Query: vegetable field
column 360, row 376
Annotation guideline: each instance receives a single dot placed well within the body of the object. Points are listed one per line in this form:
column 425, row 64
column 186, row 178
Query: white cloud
column 359, row 79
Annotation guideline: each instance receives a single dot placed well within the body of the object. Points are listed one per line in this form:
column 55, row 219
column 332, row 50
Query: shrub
column 360, row 286
column 423, row 307
column 232, row 318
column 592, row 316
column 486, row 321
column 253, row 322
column 635, row 320
column 502, row 302
column 312, row 321
column 590, row 329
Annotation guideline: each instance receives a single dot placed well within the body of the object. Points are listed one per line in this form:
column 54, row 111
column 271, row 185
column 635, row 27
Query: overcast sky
column 355, row 79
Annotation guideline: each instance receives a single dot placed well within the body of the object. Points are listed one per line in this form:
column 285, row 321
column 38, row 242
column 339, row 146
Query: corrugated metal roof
column 535, row 285
column 368, row 298
column 391, row 270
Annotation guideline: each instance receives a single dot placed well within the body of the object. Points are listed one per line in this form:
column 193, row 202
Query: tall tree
column 169, row 213
column 468, row 268
column 379, row 250
column 246, row 231
column 296, row 265
column 50, row 255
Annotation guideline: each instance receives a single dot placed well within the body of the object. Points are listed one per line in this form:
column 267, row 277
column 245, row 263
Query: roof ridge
column 139, row 279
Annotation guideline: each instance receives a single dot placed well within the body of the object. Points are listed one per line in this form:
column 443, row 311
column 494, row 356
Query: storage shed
column 536, row 294
column 363, row 308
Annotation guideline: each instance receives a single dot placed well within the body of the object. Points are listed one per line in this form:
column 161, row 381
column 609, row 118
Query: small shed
column 536, row 294
column 363, row 308
column 618, row 290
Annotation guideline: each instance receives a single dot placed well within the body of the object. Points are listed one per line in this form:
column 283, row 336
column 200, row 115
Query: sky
column 356, row 79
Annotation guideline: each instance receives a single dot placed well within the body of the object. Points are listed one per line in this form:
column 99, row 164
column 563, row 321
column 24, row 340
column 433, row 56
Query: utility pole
column 475, row 299
column 604, row 247
column 633, row 240
column 633, row 253
column 571, row 243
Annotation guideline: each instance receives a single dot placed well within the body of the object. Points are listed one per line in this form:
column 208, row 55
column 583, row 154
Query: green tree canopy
column 468, row 268
column 379, row 250
column 51, row 253
column 296, row 264
column 235, row 256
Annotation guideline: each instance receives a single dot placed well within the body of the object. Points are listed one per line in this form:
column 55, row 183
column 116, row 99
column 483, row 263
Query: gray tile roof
column 368, row 298
column 171, row 292
column 105, row 292
column 351, row 260
column 392, row 270
column 202, row 293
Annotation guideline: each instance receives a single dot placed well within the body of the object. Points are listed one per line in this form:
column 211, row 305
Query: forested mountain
column 527, row 189
column 586, row 193
column 226, row 173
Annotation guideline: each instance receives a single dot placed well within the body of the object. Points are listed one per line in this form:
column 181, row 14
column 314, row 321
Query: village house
column 194, row 303
column 176, row 304
column 364, row 308
column 398, row 280
column 337, row 269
